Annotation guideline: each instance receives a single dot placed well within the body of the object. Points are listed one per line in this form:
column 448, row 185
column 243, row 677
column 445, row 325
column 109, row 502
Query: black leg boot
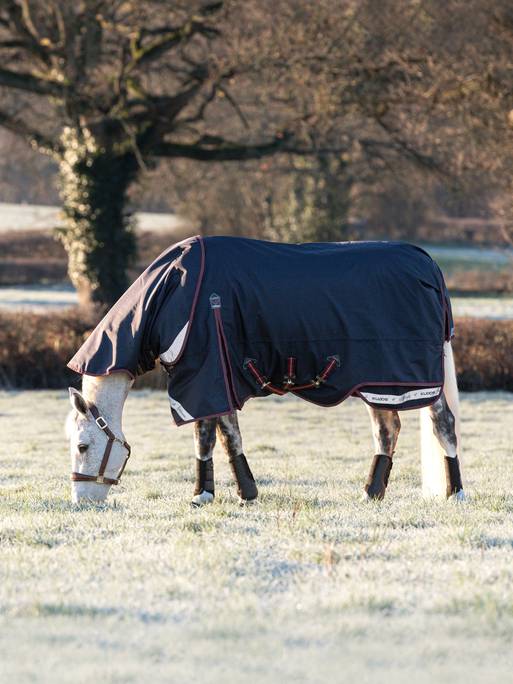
column 452, row 476
column 378, row 476
column 246, row 486
column 204, row 478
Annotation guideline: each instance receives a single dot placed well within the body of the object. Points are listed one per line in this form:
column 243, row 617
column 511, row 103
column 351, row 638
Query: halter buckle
column 101, row 422
column 100, row 479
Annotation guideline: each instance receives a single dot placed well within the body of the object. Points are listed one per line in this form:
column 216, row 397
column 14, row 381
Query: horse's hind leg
column 385, row 431
column 444, row 429
column 229, row 434
column 204, row 443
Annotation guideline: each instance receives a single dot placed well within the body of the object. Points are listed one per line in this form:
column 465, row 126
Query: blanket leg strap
column 246, row 486
column 452, row 475
column 378, row 476
column 204, row 476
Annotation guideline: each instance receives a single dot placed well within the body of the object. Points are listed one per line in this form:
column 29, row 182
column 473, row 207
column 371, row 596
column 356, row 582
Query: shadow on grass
column 74, row 610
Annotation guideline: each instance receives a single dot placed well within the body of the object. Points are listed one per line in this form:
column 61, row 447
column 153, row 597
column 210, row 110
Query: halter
column 111, row 437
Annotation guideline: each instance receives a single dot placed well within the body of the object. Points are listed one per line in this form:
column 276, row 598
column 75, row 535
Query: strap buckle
column 101, row 422
column 100, row 479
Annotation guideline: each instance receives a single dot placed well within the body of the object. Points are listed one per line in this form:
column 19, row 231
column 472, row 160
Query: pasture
column 306, row 585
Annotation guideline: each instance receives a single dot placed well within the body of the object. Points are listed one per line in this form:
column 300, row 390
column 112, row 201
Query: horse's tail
column 432, row 456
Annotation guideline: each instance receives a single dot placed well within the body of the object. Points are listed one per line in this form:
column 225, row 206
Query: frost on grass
column 306, row 585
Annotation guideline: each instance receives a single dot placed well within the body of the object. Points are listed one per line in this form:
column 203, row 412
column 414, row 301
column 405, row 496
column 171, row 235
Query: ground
column 309, row 584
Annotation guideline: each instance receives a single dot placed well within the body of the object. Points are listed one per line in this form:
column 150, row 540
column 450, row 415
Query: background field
column 307, row 585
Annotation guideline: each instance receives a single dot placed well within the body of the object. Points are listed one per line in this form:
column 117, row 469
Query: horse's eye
column 82, row 448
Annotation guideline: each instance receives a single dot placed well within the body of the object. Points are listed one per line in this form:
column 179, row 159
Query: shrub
column 34, row 350
column 483, row 350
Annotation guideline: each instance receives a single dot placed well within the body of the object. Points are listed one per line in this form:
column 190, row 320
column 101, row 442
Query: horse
column 231, row 318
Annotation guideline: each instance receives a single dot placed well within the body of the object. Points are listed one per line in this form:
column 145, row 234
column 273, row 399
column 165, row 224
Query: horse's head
column 98, row 451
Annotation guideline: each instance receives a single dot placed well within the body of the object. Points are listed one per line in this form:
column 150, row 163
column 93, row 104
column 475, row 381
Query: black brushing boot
column 378, row 476
column 452, row 476
column 204, row 477
column 246, row 486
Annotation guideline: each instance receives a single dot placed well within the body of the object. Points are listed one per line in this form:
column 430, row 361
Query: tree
column 110, row 87
column 104, row 87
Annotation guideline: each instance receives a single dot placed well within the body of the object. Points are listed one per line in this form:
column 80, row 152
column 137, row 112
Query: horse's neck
column 108, row 393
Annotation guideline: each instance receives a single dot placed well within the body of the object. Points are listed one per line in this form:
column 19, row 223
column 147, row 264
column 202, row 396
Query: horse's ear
column 77, row 401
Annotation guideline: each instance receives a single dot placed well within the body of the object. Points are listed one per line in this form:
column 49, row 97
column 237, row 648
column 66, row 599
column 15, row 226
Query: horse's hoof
column 458, row 497
column 247, row 502
column 202, row 499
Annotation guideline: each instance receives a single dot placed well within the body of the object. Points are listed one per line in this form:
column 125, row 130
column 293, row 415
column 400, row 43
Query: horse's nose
column 88, row 491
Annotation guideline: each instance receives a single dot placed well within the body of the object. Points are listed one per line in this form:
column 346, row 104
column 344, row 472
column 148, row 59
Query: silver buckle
column 100, row 479
column 103, row 424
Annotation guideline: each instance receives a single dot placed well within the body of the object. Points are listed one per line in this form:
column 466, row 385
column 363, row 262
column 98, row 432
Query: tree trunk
column 98, row 235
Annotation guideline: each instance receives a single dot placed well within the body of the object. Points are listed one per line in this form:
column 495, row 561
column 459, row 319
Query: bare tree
column 105, row 87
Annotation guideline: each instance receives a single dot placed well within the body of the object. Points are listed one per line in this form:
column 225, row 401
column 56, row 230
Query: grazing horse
column 231, row 318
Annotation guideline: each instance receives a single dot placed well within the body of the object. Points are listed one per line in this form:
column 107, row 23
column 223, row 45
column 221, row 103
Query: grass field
column 308, row 585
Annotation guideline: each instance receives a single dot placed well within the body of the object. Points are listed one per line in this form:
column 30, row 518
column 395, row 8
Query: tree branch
column 34, row 137
column 210, row 148
column 142, row 54
column 21, row 21
column 32, row 84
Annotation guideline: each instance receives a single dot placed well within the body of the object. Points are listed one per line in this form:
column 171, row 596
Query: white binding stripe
column 184, row 415
column 426, row 393
column 176, row 347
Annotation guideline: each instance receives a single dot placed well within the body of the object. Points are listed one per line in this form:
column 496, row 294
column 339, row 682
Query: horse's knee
column 386, row 426
column 229, row 434
column 205, row 438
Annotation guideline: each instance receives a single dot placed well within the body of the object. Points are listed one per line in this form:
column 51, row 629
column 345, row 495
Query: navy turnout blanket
column 233, row 318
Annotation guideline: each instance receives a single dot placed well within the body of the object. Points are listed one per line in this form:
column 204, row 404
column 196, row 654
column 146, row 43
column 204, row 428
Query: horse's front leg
column 385, row 431
column 204, row 443
column 229, row 434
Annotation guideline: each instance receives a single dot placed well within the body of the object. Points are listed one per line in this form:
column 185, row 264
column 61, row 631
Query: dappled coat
column 233, row 318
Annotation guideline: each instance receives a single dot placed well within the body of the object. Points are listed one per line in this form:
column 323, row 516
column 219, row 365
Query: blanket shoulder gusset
column 133, row 334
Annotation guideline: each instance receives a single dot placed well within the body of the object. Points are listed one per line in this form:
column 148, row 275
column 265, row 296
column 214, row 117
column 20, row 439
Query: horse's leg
column 444, row 429
column 440, row 435
column 385, row 431
column 229, row 434
column 204, row 443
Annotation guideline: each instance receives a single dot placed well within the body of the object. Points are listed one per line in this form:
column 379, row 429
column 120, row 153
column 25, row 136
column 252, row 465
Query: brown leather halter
column 111, row 438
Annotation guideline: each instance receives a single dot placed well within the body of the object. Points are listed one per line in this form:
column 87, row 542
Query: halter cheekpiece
column 111, row 438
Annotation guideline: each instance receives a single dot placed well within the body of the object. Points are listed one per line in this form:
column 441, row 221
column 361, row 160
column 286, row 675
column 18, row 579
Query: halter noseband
column 111, row 438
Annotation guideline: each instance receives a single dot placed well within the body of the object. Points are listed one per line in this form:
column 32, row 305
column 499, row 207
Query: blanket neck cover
column 234, row 318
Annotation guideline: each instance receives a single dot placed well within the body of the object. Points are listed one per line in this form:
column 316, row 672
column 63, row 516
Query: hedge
column 34, row 349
